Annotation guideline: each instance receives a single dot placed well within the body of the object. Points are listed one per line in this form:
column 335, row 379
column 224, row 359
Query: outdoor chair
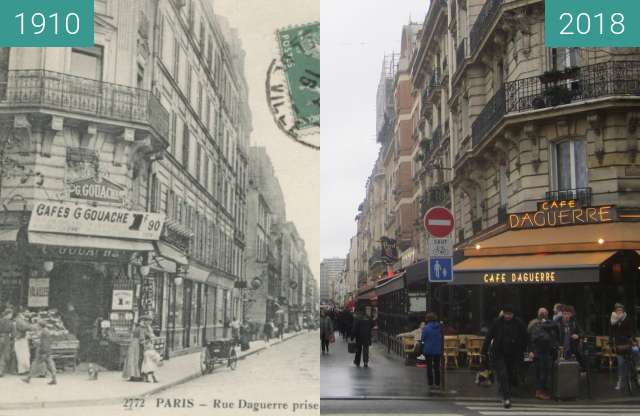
column 474, row 351
column 451, row 350
column 605, row 354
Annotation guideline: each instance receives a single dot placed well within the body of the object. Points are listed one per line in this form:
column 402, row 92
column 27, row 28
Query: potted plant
column 538, row 102
column 557, row 94
column 551, row 76
column 571, row 72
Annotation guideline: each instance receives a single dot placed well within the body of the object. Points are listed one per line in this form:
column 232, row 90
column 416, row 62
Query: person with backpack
column 622, row 341
column 432, row 339
column 507, row 340
column 544, row 337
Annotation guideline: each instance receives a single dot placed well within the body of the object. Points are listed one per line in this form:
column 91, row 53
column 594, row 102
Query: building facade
column 330, row 270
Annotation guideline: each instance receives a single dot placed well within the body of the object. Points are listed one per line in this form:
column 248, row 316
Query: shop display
column 64, row 345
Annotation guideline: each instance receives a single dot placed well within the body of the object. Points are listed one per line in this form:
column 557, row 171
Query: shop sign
column 96, row 189
column 122, row 300
column 38, row 293
column 389, row 249
column 527, row 277
column 60, row 217
column 80, row 253
column 408, row 257
column 558, row 213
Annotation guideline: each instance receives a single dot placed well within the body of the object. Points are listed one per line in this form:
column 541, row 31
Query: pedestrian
column 361, row 333
column 621, row 337
column 570, row 334
column 544, row 336
column 506, row 343
column 326, row 331
column 140, row 333
column 43, row 355
column 235, row 329
column 432, row 338
column 7, row 330
column 150, row 363
column 21, row 342
column 267, row 330
column 281, row 328
column 557, row 311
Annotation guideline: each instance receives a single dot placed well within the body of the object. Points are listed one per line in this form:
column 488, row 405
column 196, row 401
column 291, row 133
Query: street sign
column 440, row 269
column 440, row 247
column 438, row 222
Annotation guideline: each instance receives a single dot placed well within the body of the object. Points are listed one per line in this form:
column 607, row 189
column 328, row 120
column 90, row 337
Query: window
column 188, row 82
column 140, row 78
column 561, row 58
column 87, row 62
column 198, row 159
column 499, row 78
column 154, row 194
column 185, row 147
column 207, row 162
column 174, row 129
column 569, row 164
column 176, row 62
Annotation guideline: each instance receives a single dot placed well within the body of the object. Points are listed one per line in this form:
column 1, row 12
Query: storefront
column 562, row 253
column 93, row 258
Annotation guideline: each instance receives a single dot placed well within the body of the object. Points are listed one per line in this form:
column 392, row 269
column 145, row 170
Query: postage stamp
column 293, row 83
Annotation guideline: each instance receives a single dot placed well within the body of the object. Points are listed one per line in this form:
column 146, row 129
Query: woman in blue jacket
column 432, row 344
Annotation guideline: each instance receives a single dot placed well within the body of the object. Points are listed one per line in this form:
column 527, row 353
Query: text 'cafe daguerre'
column 97, row 259
column 564, row 252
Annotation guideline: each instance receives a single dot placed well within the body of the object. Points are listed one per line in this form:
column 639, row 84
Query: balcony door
column 83, row 91
column 569, row 169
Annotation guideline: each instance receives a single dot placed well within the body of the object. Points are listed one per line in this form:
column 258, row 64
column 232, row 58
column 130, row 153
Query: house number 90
column 39, row 23
column 583, row 23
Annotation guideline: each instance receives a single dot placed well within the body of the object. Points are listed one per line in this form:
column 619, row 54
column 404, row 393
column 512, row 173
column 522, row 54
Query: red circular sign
column 438, row 222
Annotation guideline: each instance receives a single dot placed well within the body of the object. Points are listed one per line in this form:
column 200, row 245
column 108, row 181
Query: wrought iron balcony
column 582, row 195
column 483, row 23
column 592, row 81
column 58, row 91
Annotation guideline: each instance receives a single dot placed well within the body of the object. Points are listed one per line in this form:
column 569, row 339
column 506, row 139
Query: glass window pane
column 563, row 165
column 87, row 64
column 580, row 152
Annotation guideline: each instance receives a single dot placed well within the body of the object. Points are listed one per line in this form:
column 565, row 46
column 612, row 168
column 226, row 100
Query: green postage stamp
column 298, row 93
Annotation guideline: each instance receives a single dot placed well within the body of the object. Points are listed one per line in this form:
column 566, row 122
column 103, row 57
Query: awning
column 197, row 273
column 417, row 273
column 8, row 235
column 396, row 283
column 565, row 239
column 368, row 294
column 531, row 269
column 66, row 240
column 170, row 253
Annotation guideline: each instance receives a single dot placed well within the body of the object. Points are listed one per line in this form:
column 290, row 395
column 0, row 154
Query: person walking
column 326, row 331
column 281, row 328
column 267, row 330
column 621, row 336
column 544, row 337
column 7, row 333
column 21, row 343
column 507, row 340
column 150, row 362
column 43, row 356
column 361, row 333
column 432, row 339
column 140, row 333
column 570, row 335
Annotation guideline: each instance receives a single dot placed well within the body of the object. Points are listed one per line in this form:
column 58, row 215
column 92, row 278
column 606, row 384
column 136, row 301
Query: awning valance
column 396, row 283
column 52, row 239
column 531, row 269
column 197, row 273
column 417, row 273
column 170, row 253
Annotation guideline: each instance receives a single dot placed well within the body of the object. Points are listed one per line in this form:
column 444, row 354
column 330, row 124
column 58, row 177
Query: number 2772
column 582, row 23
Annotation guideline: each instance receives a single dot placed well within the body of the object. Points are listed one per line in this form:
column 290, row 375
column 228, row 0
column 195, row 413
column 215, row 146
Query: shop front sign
column 558, row 213
column 527, row 277
column 96, row 189
column 80, row 253
column 389, row 251
column 38, row 293
column 65, row 218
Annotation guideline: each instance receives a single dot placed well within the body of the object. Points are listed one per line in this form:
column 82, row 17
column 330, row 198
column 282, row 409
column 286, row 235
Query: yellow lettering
column 535, row 218
column 562, row 216
column 512, row 218
column 605, row 214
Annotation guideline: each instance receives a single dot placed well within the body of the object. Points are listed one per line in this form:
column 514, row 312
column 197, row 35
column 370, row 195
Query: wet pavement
column 389, row 378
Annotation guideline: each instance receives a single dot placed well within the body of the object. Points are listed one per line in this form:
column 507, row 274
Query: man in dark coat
column 544, row 338
column 7, row 333
column 43, row 355
column 361, row 333
column 507, row 339
column 621, row 338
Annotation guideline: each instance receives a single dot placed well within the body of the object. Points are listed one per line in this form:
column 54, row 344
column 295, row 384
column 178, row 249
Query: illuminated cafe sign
column 530, row 277
column 558, row 213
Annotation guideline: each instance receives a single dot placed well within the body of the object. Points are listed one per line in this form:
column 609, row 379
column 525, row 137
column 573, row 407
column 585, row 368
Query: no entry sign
column 438, row 222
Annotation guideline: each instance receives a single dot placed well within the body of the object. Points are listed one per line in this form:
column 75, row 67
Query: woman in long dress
column 140, row 332
column 21, row 344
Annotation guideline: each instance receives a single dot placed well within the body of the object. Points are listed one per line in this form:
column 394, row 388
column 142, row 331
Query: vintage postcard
column 159, row 229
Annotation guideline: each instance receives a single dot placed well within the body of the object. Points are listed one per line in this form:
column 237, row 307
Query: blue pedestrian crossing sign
column 440, row 269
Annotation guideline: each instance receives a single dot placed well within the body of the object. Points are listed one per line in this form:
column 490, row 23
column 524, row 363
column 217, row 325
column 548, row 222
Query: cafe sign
column 530, row 277
column 66, row 218
column 38, row 293
column 96, row 189
column 559, row 213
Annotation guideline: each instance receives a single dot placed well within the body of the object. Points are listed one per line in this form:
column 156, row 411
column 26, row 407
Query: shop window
column 569, row 167
column 87, row 62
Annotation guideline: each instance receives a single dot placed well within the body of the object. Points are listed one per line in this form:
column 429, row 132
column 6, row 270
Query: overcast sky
column 356, row 34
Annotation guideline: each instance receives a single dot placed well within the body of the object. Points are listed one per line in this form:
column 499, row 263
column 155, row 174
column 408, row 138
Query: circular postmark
column 293, row 84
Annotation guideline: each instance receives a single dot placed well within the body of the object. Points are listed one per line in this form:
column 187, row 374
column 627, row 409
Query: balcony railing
column 582, row 195
column 436, row 137
column 483, row 23
column 592, row 81
column 434, row 82
column 60, row 91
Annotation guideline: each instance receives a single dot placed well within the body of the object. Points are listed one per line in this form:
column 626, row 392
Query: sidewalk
column 389, row 378
column 75, row 389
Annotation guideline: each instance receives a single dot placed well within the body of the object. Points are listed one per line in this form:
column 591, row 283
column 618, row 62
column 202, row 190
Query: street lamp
column 48, row 266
